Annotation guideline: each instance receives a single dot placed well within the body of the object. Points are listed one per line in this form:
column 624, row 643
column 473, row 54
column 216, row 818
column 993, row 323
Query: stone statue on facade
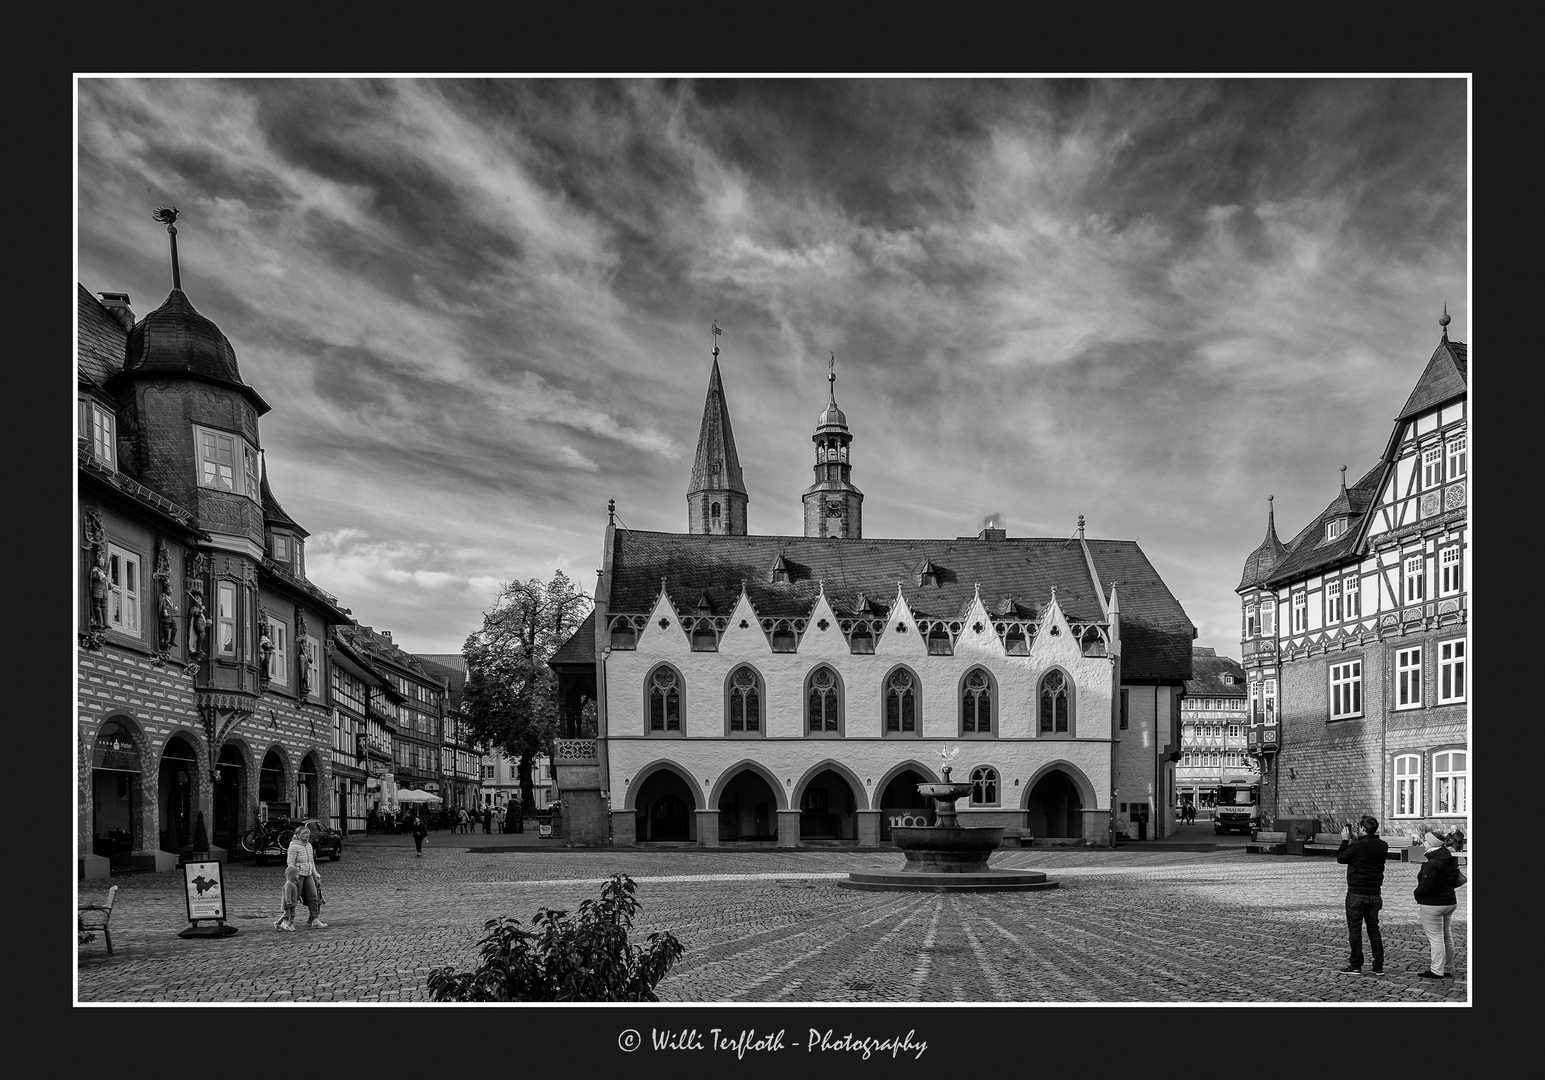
column 168, row 621
column 198, row 621
column 99, row 592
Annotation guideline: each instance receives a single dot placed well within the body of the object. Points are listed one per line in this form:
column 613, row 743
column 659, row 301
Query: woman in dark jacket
column 1435, row 904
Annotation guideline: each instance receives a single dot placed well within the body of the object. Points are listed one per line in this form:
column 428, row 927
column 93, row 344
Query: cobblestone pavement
column 773, row 926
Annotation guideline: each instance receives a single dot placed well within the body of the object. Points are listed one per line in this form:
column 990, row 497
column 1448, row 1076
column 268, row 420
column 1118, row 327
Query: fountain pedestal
column 945, row 856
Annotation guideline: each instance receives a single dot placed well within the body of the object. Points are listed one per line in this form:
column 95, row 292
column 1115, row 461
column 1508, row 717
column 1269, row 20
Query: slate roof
column 1443, row 379
column 1264, row 559
column 380, row 647
column 579, row 649
column 175, row 339
column 1310, row 551
column 146, row 497
column 450, row 667
column 273, row 513
column 1207, row 671
column 102, row 339
column 716, row 444
column 1156, row 633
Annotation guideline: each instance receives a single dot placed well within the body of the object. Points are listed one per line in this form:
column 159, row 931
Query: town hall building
column 795, row 690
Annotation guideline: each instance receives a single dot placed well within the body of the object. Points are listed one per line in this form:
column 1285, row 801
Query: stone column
column 869, row 828
column 788, row 828
column 707, row 828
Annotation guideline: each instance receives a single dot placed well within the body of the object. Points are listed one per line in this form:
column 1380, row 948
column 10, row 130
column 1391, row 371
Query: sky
column 481, row 308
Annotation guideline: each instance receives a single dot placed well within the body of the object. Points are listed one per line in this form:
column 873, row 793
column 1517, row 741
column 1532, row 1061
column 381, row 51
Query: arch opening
column 1054, row 807
column 748, row 809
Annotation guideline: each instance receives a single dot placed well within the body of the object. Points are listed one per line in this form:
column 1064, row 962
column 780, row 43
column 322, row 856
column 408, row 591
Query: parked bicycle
column 261, row 840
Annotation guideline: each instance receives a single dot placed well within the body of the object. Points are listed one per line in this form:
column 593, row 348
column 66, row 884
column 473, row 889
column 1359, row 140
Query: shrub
column 584, row 959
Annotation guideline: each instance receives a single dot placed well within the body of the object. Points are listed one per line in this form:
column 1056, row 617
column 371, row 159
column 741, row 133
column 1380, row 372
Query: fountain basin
column 948, row 792
column 948, row 859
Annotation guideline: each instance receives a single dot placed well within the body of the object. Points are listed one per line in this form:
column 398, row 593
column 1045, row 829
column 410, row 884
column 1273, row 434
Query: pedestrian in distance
column 499, row 819
column 1364, row 859
column 488, row 819
column 1435, row 899
column 301, row 857
column 420, row 830
column 290, row 897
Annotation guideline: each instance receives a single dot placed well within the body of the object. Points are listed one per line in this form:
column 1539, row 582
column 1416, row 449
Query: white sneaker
column 317, row 924
column 289, row 926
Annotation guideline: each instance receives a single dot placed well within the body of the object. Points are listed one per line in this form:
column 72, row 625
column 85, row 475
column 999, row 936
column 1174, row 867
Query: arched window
column 976, row 703
column 901, row 703
column 1056, row 713
column 745, row 701
column 861, row 640
column 984, row 786
column 823, row 706
column 664, row 690
column 713, row 512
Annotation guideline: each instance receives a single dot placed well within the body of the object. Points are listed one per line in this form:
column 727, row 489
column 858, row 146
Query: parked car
column 325, row 840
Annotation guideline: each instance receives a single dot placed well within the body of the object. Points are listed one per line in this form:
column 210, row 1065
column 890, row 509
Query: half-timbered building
column 1355, row 633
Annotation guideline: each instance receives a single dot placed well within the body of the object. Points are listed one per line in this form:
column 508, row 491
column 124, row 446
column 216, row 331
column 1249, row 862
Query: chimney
column 118, row 304
column 387, row 634
column 992, row 528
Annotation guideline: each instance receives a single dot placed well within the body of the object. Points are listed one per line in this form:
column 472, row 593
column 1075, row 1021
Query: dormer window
column 281, row 548
column 1335, row 527
column 97, row 427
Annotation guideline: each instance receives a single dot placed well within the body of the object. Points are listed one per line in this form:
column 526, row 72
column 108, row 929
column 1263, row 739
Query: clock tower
column 833, row 506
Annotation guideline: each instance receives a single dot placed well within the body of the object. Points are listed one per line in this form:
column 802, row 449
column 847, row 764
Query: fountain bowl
column 948, row 792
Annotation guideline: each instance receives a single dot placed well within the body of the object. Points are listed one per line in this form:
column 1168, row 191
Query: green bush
column 584, row 959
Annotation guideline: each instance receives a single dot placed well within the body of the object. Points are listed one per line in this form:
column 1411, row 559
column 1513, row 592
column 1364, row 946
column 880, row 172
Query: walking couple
column 1436, row 881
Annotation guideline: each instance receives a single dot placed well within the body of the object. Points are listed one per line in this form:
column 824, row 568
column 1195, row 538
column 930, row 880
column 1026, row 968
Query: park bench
column 93, row 917
column 1268, row 843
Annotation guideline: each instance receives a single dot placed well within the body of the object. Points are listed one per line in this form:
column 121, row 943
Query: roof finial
column 167, row 215
column 1343, row 479
column 831, row 376
column 1080, row 526
column 716, row 333
column 1445, row 320
column 611, row 511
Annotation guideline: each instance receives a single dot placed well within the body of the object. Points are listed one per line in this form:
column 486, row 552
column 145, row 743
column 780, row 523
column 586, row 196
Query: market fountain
column 947, row 856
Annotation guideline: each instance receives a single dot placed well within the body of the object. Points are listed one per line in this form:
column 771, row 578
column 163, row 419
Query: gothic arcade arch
column 747, row 765
column 860, row 799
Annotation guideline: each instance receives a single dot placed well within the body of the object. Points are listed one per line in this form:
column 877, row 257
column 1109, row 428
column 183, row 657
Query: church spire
column 716, row 494
column 833, row 506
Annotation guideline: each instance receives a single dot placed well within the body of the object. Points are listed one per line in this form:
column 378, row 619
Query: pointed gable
column 1443, row 380
column 716, row 466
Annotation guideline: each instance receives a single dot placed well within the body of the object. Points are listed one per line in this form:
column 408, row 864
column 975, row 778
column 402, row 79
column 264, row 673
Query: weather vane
column 716, row 333
column 167, row 215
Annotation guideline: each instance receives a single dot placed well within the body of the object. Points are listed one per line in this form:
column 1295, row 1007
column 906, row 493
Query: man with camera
column 1364, row 859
